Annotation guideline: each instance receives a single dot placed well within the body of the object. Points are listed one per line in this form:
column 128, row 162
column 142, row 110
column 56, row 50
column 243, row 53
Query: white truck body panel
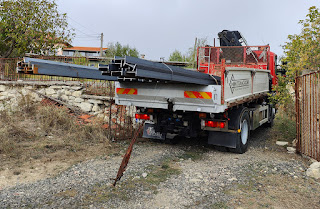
column 152, row 95
column 242, row 83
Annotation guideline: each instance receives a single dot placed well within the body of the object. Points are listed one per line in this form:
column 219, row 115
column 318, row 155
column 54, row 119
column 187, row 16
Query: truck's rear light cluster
column 215, row 124
column 143, row 116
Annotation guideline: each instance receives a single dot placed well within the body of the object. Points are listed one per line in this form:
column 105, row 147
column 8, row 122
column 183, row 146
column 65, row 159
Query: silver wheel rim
column 244, row 131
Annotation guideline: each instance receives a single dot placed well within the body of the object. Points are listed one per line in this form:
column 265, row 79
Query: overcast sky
column 158, row 27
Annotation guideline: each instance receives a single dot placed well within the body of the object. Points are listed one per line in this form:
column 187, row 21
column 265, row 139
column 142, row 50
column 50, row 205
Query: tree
column 192, row 52
column 191, row 55
column 302, row 51
column 31, row 26
column 116, row 49
column 177, row 56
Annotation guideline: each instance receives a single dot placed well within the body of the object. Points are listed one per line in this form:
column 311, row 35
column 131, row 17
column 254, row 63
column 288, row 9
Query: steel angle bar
column 104, row 67
column 146, row 63
column 131, row 67
column 127, row 79
column 114, row 67
column 192, row 74
column 106, row 73
column 116, row 73
column 174, row 73
column 45, row 67
column 141, row 73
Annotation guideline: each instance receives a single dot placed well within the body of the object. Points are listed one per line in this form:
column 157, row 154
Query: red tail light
column 143, row 116
column 215, row 124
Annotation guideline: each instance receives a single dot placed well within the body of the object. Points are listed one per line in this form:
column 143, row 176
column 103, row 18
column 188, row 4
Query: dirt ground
column 30, row 168
column 188, row 175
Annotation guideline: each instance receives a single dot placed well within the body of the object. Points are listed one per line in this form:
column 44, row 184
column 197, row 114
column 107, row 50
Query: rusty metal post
column 297, row 114
column 318, row 113
column 126, row 157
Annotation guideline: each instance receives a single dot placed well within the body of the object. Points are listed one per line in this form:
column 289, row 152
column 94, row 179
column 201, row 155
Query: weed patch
column 284, row 128
column 34, row 132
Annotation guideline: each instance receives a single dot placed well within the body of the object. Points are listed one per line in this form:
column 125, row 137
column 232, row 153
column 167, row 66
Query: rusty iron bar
column 126, row 157
column 297, row 98
column 318, row 112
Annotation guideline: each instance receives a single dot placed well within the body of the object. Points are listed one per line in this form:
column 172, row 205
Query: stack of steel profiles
column 45, row 67
column 135, row 69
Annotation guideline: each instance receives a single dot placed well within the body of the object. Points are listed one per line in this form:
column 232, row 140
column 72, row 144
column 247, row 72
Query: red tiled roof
column 83, row 48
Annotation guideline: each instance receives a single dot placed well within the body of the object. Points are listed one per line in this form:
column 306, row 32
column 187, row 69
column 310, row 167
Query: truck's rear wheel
column 272, row 115
column 242, row 122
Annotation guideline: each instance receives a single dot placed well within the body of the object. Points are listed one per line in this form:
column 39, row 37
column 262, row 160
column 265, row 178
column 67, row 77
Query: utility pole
column 195, row 53
column 101, row 47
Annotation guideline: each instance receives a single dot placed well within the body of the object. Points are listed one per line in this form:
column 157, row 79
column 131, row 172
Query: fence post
column 298, row 145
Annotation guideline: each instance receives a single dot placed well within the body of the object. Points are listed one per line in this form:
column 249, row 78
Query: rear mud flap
column 149, row 132
column 225, row 139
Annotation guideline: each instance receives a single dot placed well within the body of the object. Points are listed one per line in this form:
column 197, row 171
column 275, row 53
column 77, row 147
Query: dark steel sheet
column 45, row 67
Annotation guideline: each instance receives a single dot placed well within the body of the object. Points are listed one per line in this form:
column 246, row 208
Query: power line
column 82, row 25
column 81, row 31
column 89, row 35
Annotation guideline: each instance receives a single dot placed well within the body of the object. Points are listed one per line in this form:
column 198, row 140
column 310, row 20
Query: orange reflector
column 127, row 91
column 202, row 115
column 198, row 94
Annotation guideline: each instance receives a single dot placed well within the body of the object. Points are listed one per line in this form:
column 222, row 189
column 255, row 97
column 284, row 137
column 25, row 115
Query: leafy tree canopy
column 192, row 52
column 177, row 56
column 302, row 51
column 31, row 26
column 191, row 55
column 116, row 49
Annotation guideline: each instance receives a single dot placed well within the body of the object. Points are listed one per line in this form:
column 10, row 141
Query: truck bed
column 238, row 86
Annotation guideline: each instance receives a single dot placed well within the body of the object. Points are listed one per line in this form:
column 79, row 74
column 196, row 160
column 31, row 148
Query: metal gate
column 307, row 89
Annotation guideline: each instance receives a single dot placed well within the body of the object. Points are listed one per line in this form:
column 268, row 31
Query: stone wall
column 72, row 93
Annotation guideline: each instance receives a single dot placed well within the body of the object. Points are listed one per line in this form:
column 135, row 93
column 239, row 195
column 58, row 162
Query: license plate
column 149, row 132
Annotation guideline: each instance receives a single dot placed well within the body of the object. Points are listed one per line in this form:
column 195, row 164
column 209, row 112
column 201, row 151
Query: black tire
column 270, row 123
column 221, row 148
column 240, row 120
column 174, row 140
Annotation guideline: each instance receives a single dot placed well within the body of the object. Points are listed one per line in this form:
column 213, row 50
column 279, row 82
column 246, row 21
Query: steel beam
column 131, row 67
column 45, row 67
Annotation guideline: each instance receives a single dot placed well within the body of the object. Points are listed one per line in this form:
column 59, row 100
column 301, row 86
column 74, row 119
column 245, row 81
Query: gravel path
column 202, row 178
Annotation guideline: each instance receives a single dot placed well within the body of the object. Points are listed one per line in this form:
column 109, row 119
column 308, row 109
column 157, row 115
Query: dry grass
column 276, row 191
column 35, row 122
column 284, row 128
column 34, row 135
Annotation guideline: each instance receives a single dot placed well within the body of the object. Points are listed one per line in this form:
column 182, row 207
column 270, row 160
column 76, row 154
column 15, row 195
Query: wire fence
column 307, row 90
